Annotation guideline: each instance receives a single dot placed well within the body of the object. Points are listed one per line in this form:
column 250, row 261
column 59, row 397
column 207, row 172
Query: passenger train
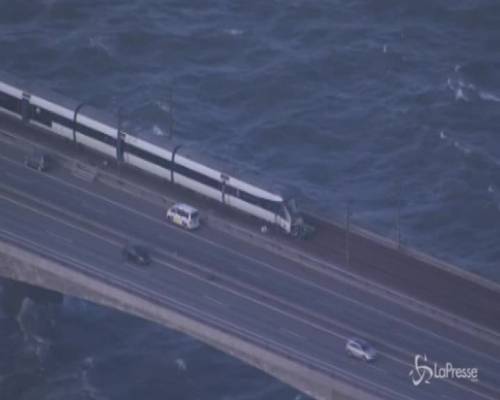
column 84, row 125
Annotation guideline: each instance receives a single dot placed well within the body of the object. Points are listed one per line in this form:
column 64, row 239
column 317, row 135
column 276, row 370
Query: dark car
column 136, row 254
column 38, row 161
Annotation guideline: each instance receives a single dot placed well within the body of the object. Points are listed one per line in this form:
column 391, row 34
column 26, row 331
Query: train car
column 84, row 125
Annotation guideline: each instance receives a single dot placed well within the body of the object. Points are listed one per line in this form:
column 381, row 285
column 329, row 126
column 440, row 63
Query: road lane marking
column 291, row 333
column 194, row 312
column 255, row 301
column 18, row 177
column 353, row 280
column 93, row 208
column 213, row 300
column 252, row 289
column 279, row 270
column 59, row 237
column 380, row 370
column 47, row 250
column 305, row 311
column 266, row 265
column 250, row 271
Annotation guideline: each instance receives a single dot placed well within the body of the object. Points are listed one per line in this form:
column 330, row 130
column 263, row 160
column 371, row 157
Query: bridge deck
column 293, row 298
column 402, row 270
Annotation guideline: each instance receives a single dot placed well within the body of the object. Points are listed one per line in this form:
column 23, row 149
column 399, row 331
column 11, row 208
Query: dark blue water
column 346, row 101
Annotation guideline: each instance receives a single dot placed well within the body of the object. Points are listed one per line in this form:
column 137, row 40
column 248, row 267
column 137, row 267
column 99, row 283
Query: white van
column 184, row 215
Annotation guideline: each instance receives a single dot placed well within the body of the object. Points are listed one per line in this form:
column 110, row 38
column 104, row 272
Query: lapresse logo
column 423, row 371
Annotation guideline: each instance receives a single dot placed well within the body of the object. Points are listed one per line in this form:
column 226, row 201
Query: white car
column 184, row 215
column 360, row 349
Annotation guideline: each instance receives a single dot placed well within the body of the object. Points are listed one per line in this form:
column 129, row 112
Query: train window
column 45, row 117
column 152, row 158
column 230, row 191
column 41, row 116
column 272, row 206
column 198, row 177
column 250, row 198
column 247, row 197
column 26, row 108
column 68, row 123
column 10, row 103
column 102, row 137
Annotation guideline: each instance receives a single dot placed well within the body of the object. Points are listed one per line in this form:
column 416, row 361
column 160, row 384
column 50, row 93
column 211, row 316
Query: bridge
column 285, row 307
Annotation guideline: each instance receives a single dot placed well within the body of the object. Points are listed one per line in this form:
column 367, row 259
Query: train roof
column 196, row 152
column 190, row 149
column 39, row 89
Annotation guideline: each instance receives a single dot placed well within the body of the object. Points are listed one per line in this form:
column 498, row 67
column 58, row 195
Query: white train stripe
column 156, row 160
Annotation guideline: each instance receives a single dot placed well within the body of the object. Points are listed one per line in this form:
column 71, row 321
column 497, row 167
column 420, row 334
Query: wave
column 98, row 42
column 164, row 106
column 88, row 388
column 468, row 83
column 158, row 131
column 463, row 90
column 234, row 32
column 489, row 96
column 181, row 364
column 466, row 91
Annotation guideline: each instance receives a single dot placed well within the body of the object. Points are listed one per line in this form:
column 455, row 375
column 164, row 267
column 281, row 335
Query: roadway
column 297, row 309
column 399, row 269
